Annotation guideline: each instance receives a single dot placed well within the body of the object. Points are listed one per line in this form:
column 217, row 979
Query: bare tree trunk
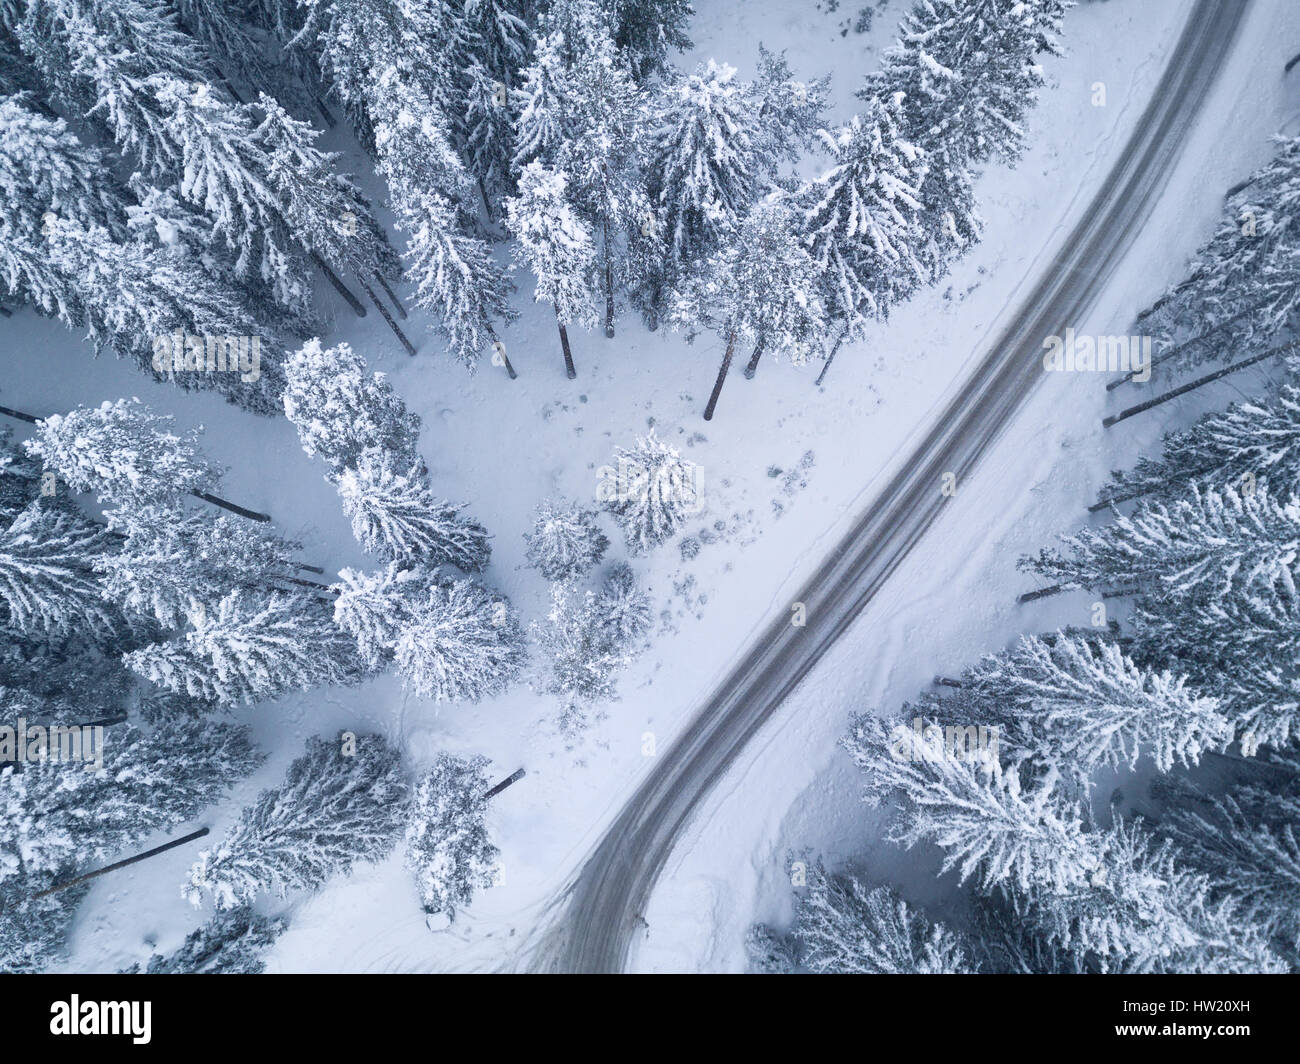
column 391, row 295
column 122, row 864
column 1193, row 385
column 609, row 286
column 216, row 500
column 514, row 777
column 564, row 345
column 752, row 368
column 722, row 376
column 342, row 289
column 410, row 348
column 830, row 358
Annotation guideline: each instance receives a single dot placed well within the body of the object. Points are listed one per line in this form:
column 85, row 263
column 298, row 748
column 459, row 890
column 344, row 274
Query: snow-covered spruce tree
column 34, row 931
column 340, row 409
column 1251, row 441
column 234, row 942
column 1112, row 899
column 1078, row 704
column 791, row 112
column 251, row 646
column 394, row 515
column 565, row 540
column 450, row 639
column 769, row 952
column 48, row 584
column 542, row 124
column 969, row 73
column 376, row 608
column 651, row 491
column 44, row 167
column 1255, row 674
column 601, row 156
column 464, row 643
column 557, row 247
column 644, row 30
column 1211, row 543
column 170, row 561
column 861, row 218
column 496, row 46
column 762, row 288
column 842, row 927
column 704, row 166
column 343, row 802
column 591, row 637
column 57, row 815
column 395, row 67
column 1243, row 287
column 20, row 478
column 447, row 846
column 1246, row 841
column 122, row 452
column 994, row 826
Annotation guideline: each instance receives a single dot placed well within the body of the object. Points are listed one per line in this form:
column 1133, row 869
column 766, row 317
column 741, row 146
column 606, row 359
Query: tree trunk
column 401, row 310
column 357, row 307
column 722, row 376
column 1186, row 345
column 609, row 286
column 505, row 359
column 1193, row 385
column 1042, row 592
column 830, row 358
column 410, row 348
column 487, row 203
column 122, row 864
column 752, row 368
column 18, row 415
column 6, row 312
column 564, row 346
column 514, row 777
column 325, row 113
column 216, row 500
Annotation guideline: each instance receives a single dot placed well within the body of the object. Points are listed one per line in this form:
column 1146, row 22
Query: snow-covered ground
column 786, row 466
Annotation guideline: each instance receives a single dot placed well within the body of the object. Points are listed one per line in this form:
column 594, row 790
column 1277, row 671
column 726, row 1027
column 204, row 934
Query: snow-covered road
column 613, row 887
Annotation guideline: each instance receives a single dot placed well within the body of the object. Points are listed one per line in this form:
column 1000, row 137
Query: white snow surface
column 503, row 446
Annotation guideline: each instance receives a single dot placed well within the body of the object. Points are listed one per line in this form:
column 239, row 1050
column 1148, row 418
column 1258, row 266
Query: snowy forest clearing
column 777, row 446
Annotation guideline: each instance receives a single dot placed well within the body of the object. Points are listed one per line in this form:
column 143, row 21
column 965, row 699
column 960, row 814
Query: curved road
column 594, row 932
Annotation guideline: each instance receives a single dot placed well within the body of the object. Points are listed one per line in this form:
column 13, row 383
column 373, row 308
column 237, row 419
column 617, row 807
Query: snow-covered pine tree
column 1208, row 543
column 644, row 31
column 340, row 410
column 843, row 927
column 34, row 931
column 44, row 167
column 1078, row 704
column 122, row 452
column 591, row 637
column 447, row 846
column 375, row 608
column 703, row 164
column 463, row 643
column 557, row 247
column 565, row 540
column 1251, row 441
column 58, row 816
column 968, row 72
column 395, row 515
column 761, row 288
column 233, row 942
column 1244, row 284
column 861, row 217
column 1255, row 675
column 395, row 67
column 1246, row 841
column 542, row 125
column 343, row 802
column 600, row 158
column 791, row 112
column 651, row 491
column 170, row 560
column 994, row 826
column 250, row 646
column 48, row 584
